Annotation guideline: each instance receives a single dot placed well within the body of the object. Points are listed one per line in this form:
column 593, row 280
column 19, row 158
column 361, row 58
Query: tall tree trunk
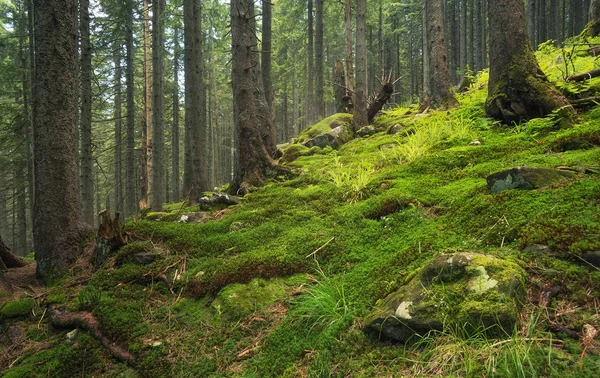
column 21, row 210
column 319, row 62
column 348, row 40
column 463, row 37
column 146, row 161
column 440, row 93
column 3, row 213
column 266, row 52
column 157, row 182
column 478, row 36
column 194, row 175
column 118, row 130
column 252, row 160
column 361, row 118
column 130, row 192
column 341, row 101
column 57, row 207
column 593, row 28
column 518, row 89
column 310, row 90
column 175, row 130
column 87, row 161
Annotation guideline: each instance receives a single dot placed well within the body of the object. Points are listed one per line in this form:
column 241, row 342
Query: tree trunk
column 157, row 183
column 593, row 28
column 87, row 161
column 252, row 159
column 440, row 93
column 310, row 90
column 7, row 258
column 339, row 90
column 146, row 161
column 118, row 130
column 463, row 38
column 361, row 117
column 175, row 130
column 57, row 220
column 518, row 89
column 194, row 175
column 266, row 52
column 130, row 201
column 319, row 62
column 479, row 36
column 348, row 40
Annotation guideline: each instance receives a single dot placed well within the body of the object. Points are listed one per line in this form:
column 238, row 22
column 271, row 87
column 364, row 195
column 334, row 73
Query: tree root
column 85, row 320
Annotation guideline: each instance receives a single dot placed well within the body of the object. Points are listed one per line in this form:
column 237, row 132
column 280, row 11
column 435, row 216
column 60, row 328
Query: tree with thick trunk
column 518, row 89
column 361, row 118
column 593, row 28
column 440, row 93
column 146, row 160
column 57, row 221
column 158, row 100
column 87, row 161
column 194, row 171
column 252, row 162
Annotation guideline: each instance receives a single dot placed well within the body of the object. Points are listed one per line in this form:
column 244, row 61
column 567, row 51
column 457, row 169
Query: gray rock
column 592, row 257
column 538, row 248
column 367, row 131
column 525, row 178
column 194, row 218
column 218, row 199
column 395, row 129
column 143, row 258
column 470, row 291
column 334, row 138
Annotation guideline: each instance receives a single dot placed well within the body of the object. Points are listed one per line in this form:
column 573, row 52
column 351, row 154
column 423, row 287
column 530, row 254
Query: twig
column 320, row 248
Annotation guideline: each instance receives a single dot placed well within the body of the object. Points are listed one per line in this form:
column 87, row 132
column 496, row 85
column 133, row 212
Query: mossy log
column 384, row 95
column 585, row 75
column 85, row 320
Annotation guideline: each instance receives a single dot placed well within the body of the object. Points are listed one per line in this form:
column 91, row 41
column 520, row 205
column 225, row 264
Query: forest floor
column 279, row 285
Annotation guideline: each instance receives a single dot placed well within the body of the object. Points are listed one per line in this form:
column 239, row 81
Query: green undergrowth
column 277, row 286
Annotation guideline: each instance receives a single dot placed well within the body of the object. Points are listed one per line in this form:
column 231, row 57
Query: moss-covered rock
column 17, row 309
column 470, row 291
column 525, row 178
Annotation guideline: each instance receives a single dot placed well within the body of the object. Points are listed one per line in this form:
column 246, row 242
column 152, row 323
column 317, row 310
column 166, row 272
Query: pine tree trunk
column 20, row 178
column 310, row 90
column 118, row 129
column 341, row 100
column 87, row 177
column 348, row 41
column 146, row 161
column 157, row 183
column 463, row 38
column 593, row 28
column 361, row 118
column 252, row 159
column 439, row 93
column 518, row 89
column 131, row 205
column 319, row 62
column 175, row 188
column 57, row 217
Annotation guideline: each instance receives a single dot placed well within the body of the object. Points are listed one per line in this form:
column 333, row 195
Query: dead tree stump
column 110, row 238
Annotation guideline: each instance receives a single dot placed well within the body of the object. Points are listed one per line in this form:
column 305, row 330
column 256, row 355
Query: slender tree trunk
column 130, row 201
column 361, row 118
column 319, row 62
column 266, row 53
column 518, row 89
column 118, row 130
column 157, row 183
column 479, row 36
column 87, row 161
column 3, row 213
column 310, row 111
column 194, row 175
column 439, row 94
column 57, row 208
column 21, row 210
column 463, row 37
column 175, row 130
column 348, row 40
column 146, row 162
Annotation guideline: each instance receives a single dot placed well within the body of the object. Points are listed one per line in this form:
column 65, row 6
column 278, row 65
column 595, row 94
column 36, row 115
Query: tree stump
column 110, row 238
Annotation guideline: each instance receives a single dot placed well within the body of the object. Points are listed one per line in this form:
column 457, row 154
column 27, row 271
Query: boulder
column 218, row 199
column 367, row 131
column 395, row 129
column 334, row 138
column 525, row 178
column 194, row 218
column 470, row 291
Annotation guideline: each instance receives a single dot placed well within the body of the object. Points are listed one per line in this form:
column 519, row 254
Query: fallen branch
column 379, row 101
column 85, row 320
column 585, row 75
column 585, row 102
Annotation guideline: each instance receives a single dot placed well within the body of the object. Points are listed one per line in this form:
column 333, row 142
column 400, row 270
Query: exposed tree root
column 8, row 259
column 85, row 320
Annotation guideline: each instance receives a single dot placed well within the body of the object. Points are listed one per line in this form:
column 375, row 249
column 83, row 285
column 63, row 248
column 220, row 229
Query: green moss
column 340, row 119
column 17, row 309
column 161, row 216
column 133, row 248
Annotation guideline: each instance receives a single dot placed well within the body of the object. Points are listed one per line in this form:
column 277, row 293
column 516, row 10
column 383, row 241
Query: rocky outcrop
column 470, row 291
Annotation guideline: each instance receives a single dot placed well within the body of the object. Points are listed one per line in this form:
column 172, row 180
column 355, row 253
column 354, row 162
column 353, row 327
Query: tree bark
column 130, row 192
column 593, row 28
column 118, row 113
column 319, row 62
column 339, row 90
column 310, row 90
column 252, row 159
column 440, row 93
column 7, row 258
column 157, row 183
column 361, row 117
column 146, row 161
column 518, row 89
column 348, row 40
column 57, row 220
column 175, row 188
column 87, row 161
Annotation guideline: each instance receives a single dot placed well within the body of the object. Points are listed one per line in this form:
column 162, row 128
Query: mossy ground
column 360, row 221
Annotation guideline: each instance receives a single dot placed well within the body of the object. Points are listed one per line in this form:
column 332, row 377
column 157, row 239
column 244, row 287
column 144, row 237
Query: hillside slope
column 280, row 284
